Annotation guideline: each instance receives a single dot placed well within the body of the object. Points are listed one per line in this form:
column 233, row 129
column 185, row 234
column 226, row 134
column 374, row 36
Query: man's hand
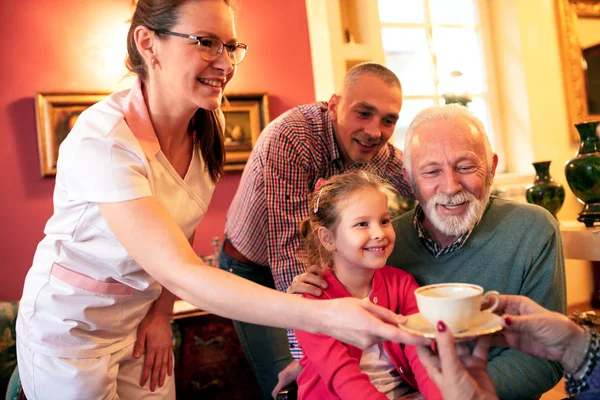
column 287, row 375
column 309, row 282
column 154, row 339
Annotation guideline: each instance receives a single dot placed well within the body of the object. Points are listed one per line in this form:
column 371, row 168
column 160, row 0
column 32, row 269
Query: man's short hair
column 449, row 112
column 380, row 71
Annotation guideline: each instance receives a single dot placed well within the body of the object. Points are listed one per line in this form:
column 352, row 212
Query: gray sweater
column 515, row 249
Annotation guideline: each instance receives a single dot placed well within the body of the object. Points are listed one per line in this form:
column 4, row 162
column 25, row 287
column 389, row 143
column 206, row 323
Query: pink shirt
column 331, row 368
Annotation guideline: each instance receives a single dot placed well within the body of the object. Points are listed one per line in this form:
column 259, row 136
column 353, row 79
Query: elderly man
column 458, row 233
column 302, row 146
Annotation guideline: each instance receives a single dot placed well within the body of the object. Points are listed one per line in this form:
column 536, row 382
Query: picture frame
column 569, row 15
column 55, row 115
column 246, row 115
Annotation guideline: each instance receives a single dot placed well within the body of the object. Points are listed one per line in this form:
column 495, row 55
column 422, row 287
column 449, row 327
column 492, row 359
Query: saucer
column 484, row 324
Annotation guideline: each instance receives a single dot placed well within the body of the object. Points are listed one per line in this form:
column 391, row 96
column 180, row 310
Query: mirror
column 579, row 36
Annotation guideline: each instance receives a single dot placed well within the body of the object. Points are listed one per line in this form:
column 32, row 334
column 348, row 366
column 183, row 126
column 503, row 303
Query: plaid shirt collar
column 433, row 247
column 334, row 151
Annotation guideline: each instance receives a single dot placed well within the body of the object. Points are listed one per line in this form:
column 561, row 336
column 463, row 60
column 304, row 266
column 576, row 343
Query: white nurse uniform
column 84, row 295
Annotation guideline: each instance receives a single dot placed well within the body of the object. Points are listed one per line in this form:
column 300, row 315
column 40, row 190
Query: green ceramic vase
column 583, row 173
column 544, row 191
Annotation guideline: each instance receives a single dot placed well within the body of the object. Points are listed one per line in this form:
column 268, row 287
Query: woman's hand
column 309, row 282
column 154, row 338
column 458, row 373
column 361, row 323
column 534, row 330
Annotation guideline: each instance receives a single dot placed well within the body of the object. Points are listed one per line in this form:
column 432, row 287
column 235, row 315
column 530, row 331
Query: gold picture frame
column 246, row 115
column 567, row 13
column 55, row 115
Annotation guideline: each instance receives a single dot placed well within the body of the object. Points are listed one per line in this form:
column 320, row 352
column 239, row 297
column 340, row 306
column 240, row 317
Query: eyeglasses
column 212, row 48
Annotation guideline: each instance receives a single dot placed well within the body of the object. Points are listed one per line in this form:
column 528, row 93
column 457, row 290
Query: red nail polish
column 507, row 320
column 441, row 326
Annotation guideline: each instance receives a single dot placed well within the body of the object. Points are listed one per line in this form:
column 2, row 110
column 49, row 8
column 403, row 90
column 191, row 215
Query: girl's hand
column 286, row 376
column 154, row 338
column 458, row 374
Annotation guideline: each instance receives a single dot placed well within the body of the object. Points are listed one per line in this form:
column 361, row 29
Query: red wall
column 76, row 45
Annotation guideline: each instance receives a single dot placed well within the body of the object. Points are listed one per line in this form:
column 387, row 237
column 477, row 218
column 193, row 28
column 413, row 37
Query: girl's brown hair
column 205, row 125
column 324, row 212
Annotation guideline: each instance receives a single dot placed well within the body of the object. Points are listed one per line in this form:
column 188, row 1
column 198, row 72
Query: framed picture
column 246, row 115
column 55, row 115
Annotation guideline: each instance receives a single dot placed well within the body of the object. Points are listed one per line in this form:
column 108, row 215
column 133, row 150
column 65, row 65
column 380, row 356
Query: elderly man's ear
column 494, row 165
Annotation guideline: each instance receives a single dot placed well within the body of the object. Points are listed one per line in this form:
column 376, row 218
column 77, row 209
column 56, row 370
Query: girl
column 350, row 235
column 135, row 177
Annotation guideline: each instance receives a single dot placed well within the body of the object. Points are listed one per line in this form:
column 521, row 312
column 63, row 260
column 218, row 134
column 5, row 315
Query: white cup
column 456, row 304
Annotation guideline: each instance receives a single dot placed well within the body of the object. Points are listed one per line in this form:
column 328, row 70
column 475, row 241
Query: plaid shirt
column 291, row 154
column 432, row 246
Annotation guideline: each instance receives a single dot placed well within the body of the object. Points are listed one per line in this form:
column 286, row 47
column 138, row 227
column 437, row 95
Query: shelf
column 332, row 55
column 357, row 51
column 579, row 242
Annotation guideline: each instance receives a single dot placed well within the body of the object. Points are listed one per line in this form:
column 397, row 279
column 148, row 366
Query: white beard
column 456, row 225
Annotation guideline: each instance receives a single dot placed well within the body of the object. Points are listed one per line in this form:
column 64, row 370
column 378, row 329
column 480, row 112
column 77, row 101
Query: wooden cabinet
column 209, row 360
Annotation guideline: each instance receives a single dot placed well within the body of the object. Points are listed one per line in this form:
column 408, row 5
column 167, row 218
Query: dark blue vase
column 583, row 173
column 544, row 191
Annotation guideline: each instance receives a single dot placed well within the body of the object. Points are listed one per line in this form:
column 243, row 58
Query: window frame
column 491, row 96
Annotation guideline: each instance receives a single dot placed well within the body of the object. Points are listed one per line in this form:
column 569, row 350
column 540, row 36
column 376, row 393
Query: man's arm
column 287, row 174
column 288, row 171
column 516, row 375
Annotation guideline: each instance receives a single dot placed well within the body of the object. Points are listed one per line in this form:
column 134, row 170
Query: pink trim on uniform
column 138, row 120
column 91, row 285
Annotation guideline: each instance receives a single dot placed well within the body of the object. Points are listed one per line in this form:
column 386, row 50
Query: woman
column 134, row 179
column 528, row 327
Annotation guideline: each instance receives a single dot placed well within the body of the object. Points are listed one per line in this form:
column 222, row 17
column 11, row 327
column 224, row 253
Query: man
column 305, row 144
column 458, row 233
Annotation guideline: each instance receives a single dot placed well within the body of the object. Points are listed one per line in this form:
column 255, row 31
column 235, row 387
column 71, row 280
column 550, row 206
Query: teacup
column 456, row 304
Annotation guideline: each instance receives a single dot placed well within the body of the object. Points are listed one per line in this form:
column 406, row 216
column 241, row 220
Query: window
column 435, row 47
